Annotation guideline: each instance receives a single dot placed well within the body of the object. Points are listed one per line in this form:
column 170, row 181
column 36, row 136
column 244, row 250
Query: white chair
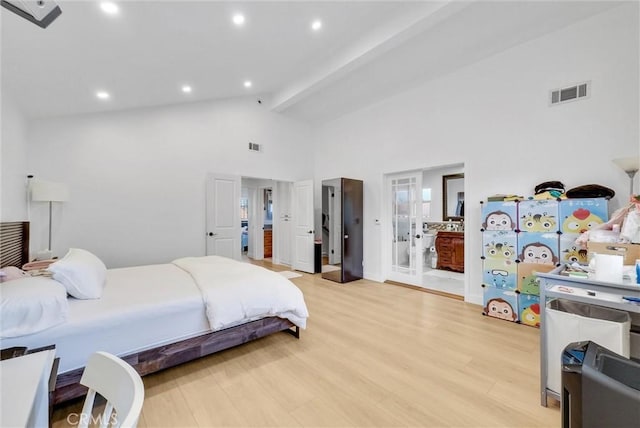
column 119, row 384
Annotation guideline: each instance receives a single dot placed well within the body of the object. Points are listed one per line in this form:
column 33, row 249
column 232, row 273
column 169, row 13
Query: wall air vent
column 570, row 93
column 254, row 147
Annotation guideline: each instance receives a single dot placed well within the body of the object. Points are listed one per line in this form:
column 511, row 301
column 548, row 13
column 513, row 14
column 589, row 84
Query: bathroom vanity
column 450, row 250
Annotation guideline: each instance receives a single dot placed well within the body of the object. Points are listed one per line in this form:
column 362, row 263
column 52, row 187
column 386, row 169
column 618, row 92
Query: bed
column 159, row 316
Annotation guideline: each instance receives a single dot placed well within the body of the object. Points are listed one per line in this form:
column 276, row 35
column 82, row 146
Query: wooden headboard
column 14, row 243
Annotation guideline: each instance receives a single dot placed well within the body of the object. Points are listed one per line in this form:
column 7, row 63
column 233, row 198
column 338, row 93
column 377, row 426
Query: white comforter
column 236, row 292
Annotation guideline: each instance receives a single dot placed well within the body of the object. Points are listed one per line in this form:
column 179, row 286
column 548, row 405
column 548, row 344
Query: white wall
column 493, row 116
column 13, row 152
column 137, row 177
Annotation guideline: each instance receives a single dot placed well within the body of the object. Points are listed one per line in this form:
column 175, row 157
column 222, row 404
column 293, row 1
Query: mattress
column 141, row 307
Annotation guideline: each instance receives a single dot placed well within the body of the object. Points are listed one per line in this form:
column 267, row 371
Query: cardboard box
column 630, row 252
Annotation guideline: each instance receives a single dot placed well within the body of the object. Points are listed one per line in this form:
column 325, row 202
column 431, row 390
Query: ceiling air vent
column 570, row 93
column 254, row 147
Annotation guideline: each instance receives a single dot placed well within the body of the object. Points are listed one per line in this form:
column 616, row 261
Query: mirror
column 342, row 229
column 331, row 228
column 453, row 197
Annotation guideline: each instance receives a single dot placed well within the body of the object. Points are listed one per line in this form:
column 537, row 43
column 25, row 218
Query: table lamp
column 48, row 191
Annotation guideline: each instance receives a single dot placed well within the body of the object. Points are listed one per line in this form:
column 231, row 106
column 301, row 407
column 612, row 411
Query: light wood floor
column 372, row 355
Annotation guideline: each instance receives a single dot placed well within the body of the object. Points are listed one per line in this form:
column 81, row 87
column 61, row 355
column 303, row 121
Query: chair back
column 119, row 384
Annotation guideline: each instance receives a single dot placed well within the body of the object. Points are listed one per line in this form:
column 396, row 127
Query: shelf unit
column 551, row 287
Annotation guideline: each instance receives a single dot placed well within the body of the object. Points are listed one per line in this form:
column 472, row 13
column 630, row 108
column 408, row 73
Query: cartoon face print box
column 529, row 310
column 499, row 253
column 539, row 216
column 539, row 248
column 580, row 215
column 499, row 216
column 500, row 303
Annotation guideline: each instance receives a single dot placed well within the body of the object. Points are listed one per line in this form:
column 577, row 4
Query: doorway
column 266, row 226
column 416, row 202
column 267, row 222
column 258, row 199
column 290, row 207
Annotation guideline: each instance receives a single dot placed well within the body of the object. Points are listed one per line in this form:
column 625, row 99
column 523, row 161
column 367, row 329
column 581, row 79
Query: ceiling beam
column 379, row 41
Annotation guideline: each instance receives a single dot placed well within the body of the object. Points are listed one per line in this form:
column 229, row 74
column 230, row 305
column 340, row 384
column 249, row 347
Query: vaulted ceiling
column 143, row 55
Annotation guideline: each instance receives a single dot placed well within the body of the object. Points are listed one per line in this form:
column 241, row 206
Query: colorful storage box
column 538, row 248
column 529, row 310
column 501, row 304
column 499, row 216
column 538, row 216
column 570, row 252
column 580, row 215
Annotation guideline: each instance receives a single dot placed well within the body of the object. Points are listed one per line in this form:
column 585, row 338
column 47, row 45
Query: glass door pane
column 406, row 220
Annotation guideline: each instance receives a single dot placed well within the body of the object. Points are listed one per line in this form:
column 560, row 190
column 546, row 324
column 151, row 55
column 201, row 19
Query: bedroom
column 489, row 112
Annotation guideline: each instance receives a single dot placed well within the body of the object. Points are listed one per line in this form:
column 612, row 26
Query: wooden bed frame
column 163, row 357
column 15, row 237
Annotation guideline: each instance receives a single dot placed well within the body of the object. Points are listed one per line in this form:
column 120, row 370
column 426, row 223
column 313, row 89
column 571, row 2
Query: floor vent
column 255, row 147
column 570, row 93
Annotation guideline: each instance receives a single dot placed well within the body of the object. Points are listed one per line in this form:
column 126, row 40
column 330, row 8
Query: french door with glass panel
column 405, row 234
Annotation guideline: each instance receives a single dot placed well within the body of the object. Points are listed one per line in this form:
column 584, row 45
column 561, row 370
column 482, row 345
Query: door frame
column 280, row 243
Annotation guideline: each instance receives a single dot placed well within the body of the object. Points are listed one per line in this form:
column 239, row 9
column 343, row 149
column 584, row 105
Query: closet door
column 352, row 229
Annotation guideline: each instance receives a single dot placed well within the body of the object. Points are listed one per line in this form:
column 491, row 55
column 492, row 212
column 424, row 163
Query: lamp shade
column 629, row 164
column 48, row 191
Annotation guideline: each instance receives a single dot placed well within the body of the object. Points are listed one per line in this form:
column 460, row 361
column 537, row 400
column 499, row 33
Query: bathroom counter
column 450, row 250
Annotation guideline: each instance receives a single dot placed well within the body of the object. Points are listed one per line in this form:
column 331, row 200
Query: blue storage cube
column 499, row 216
column 580, row 215
column 500, row 278
column 569, row 251
column 529, row 310
column 527, row 283
column 499, row 248
column 539, row 216
column 500, row 303
column 538, row 248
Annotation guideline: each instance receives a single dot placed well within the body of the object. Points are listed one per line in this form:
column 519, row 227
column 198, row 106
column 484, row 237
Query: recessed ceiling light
column 238, row 19
column 247, row 83
column 109, row 8
column 316, row 25
column 103, row 95
column 186, row 89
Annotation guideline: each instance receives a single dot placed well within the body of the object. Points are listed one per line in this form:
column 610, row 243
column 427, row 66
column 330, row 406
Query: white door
column 282, row 222
column 405, row 231
column 303, row 226
column 223, row 216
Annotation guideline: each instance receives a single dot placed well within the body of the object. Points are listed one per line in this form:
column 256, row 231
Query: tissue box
column 630, row 252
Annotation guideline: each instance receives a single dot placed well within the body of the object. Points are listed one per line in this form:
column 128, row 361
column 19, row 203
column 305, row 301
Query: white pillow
column 82, row 273
column 31, row 304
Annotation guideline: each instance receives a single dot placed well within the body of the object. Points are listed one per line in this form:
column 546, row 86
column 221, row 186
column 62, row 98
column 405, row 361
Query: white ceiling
column 364, row 52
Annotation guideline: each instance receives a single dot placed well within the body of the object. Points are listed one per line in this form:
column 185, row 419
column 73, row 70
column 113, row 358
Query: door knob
column 311, row 231
column 417, row 236
column 212, row 234
column 346, row 236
